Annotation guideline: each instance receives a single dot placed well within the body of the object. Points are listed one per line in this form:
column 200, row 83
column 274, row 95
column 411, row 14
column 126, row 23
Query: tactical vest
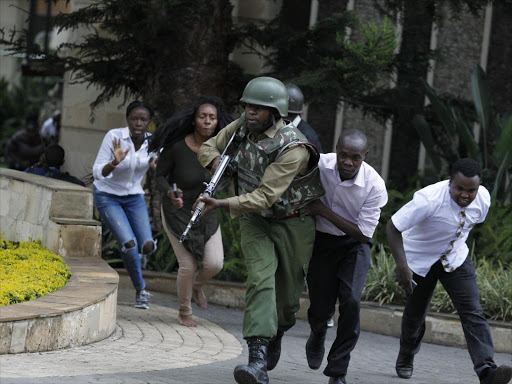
column 253, row 158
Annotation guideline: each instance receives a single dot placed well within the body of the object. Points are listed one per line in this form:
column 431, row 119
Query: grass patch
column 28, row 271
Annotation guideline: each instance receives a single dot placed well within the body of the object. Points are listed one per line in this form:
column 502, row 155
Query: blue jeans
column 461, row 287
column 128, row 219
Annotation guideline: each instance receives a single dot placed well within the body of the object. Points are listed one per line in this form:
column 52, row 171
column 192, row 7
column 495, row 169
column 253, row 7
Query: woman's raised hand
column 118, row 152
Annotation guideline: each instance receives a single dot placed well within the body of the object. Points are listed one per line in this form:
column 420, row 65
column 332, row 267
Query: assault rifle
column 225, row 160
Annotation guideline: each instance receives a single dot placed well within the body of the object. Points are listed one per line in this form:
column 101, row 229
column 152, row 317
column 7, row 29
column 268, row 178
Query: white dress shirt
column 435, row 227
column 126, row 178
column 358, row 200
column 48, row 129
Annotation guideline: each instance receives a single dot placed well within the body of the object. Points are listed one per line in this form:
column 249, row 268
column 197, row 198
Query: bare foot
column 187, row 321
column 199, row 298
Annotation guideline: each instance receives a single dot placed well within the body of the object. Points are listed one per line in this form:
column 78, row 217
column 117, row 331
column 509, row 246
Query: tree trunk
column 199, row 67
column 412, row 70
column 322, row 117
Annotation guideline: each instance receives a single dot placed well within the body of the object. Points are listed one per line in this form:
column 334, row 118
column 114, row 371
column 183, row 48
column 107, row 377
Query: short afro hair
column 468, row 167
column 54, row 155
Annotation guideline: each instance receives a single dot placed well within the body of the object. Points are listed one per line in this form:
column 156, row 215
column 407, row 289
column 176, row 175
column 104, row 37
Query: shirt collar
column 358, row 179
column 271, row 132
column 296, row 121
column 125, row 133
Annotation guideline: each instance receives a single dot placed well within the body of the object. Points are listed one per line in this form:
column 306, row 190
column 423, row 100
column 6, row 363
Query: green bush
column 493, row 238
column 494, row 282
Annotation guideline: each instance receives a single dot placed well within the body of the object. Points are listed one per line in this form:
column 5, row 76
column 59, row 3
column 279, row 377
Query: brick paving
column 151, row 347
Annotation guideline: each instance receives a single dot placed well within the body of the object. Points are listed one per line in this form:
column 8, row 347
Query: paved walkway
column 151, row 347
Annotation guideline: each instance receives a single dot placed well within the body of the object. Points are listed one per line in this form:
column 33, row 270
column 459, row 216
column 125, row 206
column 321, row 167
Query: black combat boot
column 274, row 351
column 256, row 371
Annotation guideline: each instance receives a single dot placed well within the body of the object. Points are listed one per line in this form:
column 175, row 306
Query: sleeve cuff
column 234, row 206
column 397, row 224
column 97, row 172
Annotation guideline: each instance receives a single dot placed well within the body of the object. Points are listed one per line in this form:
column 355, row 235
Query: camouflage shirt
column 294, row 162
column 254, row 157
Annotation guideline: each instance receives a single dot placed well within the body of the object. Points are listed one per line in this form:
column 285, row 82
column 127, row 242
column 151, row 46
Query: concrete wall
column 82, row 312
column 59, row 213
column 12, row 16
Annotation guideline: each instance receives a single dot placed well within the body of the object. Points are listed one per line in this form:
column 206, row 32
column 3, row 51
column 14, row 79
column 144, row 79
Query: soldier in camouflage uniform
column 277, row 176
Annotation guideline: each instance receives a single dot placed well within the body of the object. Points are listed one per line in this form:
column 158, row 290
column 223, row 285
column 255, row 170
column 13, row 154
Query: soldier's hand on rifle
column 214, row 164
column 176, row 201
column 210, row 203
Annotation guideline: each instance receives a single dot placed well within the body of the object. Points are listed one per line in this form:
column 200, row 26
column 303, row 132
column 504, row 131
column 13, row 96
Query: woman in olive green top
column 180, row 137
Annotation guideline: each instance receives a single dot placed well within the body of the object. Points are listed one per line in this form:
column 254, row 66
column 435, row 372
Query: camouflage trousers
column 277, row 254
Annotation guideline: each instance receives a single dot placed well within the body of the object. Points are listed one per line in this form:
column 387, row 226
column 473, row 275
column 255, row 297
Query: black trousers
column 461, row 287
column 337, row 271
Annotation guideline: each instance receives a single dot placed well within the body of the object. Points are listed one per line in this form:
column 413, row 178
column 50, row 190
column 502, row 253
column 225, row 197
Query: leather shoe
column 404, row 365
column 274, row 351
column 315, row 350
column 500, row 375
column 337, row 380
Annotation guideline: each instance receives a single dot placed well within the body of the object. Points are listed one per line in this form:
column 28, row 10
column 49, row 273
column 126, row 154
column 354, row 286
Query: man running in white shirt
column 347, row 216
column 428, row 241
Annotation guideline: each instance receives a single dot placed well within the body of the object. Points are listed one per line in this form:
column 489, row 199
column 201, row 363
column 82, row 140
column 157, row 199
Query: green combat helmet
column 268, row 92
column 296, row 102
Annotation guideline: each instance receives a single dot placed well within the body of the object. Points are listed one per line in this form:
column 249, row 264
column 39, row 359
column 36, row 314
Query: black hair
column 137, row 104
column 468, row 167
column 54, row 155
column 181, row 124
column 356, row 134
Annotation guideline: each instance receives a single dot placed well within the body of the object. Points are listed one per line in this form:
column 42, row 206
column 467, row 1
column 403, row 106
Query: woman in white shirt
column 118, row 170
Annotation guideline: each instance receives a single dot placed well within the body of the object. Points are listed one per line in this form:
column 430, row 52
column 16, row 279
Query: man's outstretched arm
column 396, row 242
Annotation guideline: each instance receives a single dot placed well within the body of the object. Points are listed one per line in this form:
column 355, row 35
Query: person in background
column 180, row 138
column 51, row 128
column 428, row 242
column 277, row 176
column 347, row 216
column 49, row 166
column 25, row 147
column 295, row 108
column 118, row 170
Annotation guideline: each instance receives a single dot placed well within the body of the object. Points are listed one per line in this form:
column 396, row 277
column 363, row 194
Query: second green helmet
column 268, row 92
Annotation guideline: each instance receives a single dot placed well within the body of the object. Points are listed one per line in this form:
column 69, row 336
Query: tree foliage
column 326, row 65
column 166, row 51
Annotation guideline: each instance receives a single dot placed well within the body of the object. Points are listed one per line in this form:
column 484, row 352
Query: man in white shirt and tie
column 347, row 216
column 428, row 241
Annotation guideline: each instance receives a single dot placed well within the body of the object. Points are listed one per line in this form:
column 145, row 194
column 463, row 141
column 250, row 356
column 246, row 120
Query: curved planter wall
column 82, row 312
column 60, row 215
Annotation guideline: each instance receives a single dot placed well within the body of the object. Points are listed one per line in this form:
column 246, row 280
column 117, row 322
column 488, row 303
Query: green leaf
column 503, row 140
column 425, row 133
column 467, row 136
column 499, row 175
column 442, row 112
